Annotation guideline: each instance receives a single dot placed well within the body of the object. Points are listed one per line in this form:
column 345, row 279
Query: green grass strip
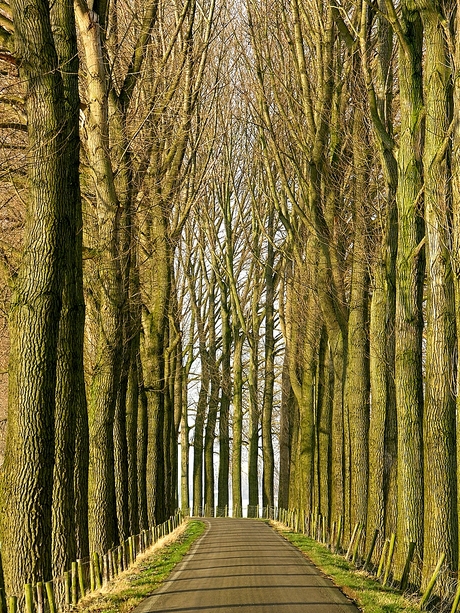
column 144, row 577
column 368, row 594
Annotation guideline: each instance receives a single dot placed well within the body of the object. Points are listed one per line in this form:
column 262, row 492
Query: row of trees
column 241, row 232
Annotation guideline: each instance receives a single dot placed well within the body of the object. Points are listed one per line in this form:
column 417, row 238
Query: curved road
column 243, row 565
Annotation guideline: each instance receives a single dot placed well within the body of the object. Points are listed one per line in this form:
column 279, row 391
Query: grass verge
column 146, row 575
column 367, row 593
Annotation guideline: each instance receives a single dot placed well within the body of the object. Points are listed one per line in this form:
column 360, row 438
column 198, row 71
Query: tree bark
column 35, row 308
column 237, row 424
column 409, row 289
column 356, row 392
column 439, row 439
column 70, row 505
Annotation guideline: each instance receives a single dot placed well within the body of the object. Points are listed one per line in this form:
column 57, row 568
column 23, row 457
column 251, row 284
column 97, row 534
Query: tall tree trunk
column 104, row 271
column 226, row 391
column 132, row 408
column 440, row 493
column 120, row 444
column 185, row 429
column 35, row 308
column 268, row 499
column 287, row 401
column 382, row 494
column 456, row 232
column 155, row 283
column 209, row 481
column 409, row 290
column 142, row 436
column 213, row 404
column 185, row 452
column 356, row 392
column 325, row 379
column 70, row 386
column 237, row 423
column 253, row 446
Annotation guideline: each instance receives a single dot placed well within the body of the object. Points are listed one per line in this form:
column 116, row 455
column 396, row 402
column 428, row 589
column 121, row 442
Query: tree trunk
column 455, row 255
column 268, row 499
column 103, row 280
column 142, row 436
column 155, row 283
column 409, row 290
column 440, row 493
column 287, row 402
column 253, row 447
column 226, row 391
column 382, row 495
column 356, row 393
column 35, row 308
column 132, row 408
column 70, row 387
column 325, row 380
column 237, row 424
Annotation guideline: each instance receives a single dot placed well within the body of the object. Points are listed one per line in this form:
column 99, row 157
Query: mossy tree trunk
column 155, row 283
column 237, row 422
column 36, row 307
column 325, row 381
column 70, row 482
column 382, row 495
column 213, row 404
column 409, row 289
column 455, row 254
column 286, row 411
column 103, row 284
column 269, row 370
column 225, row 398
column 439, row 438
column 253, row 385
column 356, row 392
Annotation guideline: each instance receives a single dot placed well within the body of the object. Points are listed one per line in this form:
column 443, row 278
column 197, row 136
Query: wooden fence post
column 50, row 594
column 67, row 588
column 105, row 569
column 81, row 579
column 430, row 586
column 406, row 571
column 354, row 557
column 371, row 549
column 382, row 559
column 97, row 570
column 29, row 594
column 350, row 546
column 110, row 564
column 74, row 584
column 40, row 599
column 92, row 578
column 391, row 550
column 338, row 542
column 456, row 600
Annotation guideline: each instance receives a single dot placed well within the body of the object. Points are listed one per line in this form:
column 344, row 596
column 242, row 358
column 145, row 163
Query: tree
column 36, row 304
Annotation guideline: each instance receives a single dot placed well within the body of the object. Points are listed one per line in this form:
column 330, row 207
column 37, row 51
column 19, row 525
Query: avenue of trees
column 230, row 259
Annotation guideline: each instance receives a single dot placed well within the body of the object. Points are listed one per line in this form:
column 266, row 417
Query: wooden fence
column 86, row 575
column 381, row 566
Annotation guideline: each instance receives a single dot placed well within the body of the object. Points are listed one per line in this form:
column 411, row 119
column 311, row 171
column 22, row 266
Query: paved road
column 242, row 565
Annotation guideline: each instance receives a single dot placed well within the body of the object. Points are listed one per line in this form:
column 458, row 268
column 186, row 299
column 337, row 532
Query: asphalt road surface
column 242, row 565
